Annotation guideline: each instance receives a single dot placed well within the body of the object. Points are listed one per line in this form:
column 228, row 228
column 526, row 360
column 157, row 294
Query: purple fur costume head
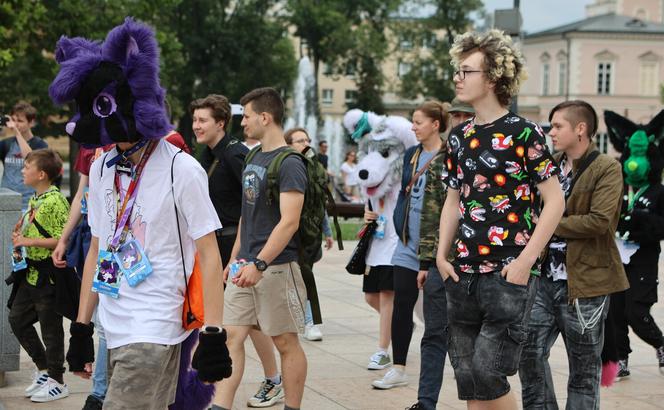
column 115, row 85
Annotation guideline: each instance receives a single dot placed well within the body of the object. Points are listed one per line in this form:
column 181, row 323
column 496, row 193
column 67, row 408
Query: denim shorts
column 488, row 321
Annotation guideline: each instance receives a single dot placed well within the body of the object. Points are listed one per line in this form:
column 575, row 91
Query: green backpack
column 317, row 199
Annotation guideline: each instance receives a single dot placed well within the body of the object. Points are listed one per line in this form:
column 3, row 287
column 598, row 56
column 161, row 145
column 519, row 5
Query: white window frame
column 403, row 68
column 348, row 99
column 562, row 77
column 651, row 88
column 327, row 96
column 546, row 78
column 605, row 87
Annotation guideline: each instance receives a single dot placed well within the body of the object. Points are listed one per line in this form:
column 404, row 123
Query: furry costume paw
column 212, row 359
column 81, row 347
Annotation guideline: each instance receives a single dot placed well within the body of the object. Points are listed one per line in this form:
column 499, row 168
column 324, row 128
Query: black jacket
column 646, row 227
column 225, row 181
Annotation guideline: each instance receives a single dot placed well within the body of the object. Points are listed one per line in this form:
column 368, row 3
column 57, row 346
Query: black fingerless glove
column 211, row 358
column 81, row 347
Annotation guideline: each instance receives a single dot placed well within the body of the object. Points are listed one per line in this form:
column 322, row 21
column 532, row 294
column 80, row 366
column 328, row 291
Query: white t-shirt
column 349, row 174
column 151, row 312
column 381, row 250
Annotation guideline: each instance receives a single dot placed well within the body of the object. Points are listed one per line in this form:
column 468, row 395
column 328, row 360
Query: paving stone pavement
column 337, row 375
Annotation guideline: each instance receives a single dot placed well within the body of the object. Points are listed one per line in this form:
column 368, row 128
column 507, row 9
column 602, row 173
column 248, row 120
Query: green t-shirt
column 51, row 211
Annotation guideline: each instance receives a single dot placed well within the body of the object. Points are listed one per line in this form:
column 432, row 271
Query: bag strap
column 273, row 173
column 190, row 316
column 421, row 171
column 589, row 159
column 41, row 229
column 212, row 167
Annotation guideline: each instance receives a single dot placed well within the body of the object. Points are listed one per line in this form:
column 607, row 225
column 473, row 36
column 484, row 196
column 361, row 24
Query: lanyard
column 126, row 154
column 124, row 211
column 632, row 197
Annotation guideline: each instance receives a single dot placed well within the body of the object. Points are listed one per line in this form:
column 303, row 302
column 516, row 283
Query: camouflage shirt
column 432, row 203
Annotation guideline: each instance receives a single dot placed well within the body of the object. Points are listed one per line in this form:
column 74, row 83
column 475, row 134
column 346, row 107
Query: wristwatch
column 261, row 265
column 211, row 329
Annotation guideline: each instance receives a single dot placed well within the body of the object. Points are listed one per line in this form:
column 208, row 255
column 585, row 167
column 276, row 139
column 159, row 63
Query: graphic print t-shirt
column 258, row 217
column 555, row 266
column 496, row 167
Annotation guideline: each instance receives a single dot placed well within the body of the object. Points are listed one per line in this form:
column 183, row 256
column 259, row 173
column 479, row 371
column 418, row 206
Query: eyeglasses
column 463, row 73
column 302, row 141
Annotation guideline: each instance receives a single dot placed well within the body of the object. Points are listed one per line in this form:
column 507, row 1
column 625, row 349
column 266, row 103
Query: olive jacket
column 593, row 263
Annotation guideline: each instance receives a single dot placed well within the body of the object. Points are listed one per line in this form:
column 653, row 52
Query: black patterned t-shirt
column 496, row 168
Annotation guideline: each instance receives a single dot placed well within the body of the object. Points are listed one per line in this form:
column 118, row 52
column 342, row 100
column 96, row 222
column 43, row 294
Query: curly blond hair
column 503, row 61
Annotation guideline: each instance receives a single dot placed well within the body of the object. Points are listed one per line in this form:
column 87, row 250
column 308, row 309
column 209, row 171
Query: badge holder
column 133, row 263
column 84, row 201
column 380, row 228
column 107, row 276
column 18, row 258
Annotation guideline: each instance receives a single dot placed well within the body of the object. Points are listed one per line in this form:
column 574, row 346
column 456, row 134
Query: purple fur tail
column 192, row 394
column 609, row 373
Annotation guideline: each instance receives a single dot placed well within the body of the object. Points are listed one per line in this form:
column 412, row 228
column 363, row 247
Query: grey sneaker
column 379, row 361
column 623, row 370
column 268, row 394
column 660, row 358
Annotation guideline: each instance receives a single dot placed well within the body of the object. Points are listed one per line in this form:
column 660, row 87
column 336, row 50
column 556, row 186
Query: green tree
column 431, row 73
column 207, row 46
column 339, row 32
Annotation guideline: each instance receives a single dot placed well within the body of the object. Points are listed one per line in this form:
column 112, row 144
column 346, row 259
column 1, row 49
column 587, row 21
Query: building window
column 546, row 71
column 648, row 78
column 350, row 96
column 603, row 142
column 350, row 68
column 403, row 69
column 429, row 40
column 327, row 69
column 562, row 77
column 328, row 96
column 405, row 42
column 604, row 74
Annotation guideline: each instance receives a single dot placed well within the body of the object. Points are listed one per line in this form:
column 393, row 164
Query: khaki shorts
column 275, row 305
column 142, row 376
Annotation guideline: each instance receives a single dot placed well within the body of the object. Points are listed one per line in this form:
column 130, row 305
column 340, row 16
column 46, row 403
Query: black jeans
column 632, row 308
column 433, row 347
column 405, row 297
column 34, row 305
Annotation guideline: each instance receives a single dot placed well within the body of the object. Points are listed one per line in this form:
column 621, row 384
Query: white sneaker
column 393, row 378
column 38, row 380
column 51, row 390
column 268, row 394
column 313, row 333
column 379, row 361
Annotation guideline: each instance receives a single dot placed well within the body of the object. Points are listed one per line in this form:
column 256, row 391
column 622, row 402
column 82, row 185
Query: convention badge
column 18, row 258
column 84, row 201
column 133, row 263
column 123, row 166
column 380, row 228
column 107, row 276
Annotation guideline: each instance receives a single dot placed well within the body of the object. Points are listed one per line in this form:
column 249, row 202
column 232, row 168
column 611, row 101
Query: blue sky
column 540, row 15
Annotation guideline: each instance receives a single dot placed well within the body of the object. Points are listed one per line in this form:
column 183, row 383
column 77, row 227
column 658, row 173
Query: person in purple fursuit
column 147, row 194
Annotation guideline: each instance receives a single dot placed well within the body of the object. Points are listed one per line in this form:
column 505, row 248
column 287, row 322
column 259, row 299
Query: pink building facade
column 613, row 61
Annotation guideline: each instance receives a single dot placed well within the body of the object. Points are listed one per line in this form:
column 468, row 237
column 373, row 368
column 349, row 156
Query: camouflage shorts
column 142, row 376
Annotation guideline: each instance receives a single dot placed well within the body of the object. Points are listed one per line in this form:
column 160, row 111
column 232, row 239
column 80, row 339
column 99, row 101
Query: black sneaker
column 660, row 357
column 623, row 370
column 93, row 403
column 415, row 406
